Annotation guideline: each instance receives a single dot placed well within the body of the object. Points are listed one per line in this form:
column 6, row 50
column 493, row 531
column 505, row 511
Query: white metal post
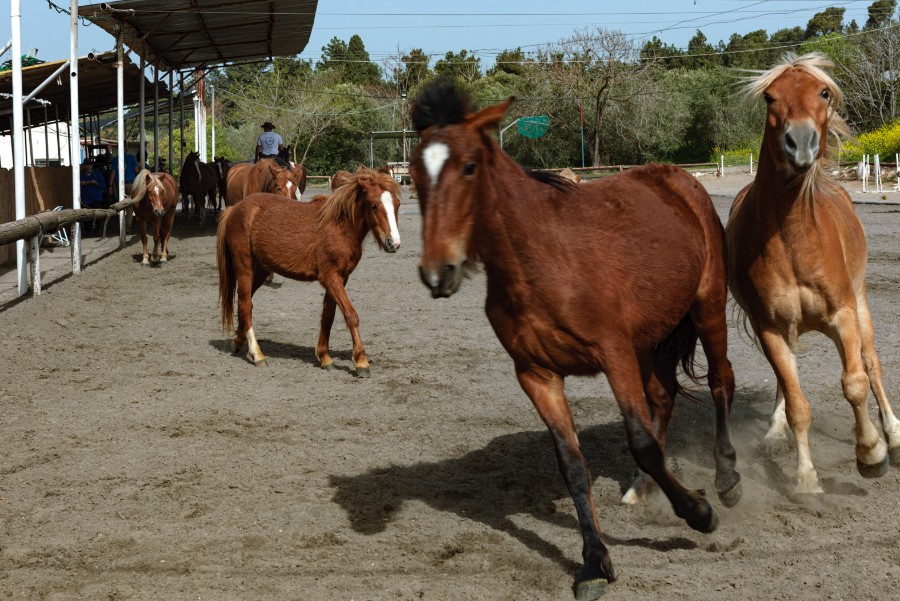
column 171, row 130
column 156, row 118
column 213, row 105
column 722, row 163
column 877, row 162
column 74, row 139
column 142, row 154
column 751, row 163
column 120, row 125
column 18, row 141
column 181, row 125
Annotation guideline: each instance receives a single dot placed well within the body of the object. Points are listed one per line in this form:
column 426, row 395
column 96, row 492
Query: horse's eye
column 825, row 94
column 469, row 169
column 374, row 206
column 767, row 98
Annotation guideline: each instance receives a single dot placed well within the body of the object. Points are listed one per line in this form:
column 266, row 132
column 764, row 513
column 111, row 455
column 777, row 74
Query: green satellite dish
column 533, row 127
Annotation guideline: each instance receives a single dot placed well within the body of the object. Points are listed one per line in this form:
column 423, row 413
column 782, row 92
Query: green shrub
column 884, row 141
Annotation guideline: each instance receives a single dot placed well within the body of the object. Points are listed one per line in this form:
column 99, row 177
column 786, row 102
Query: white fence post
column 878, row 173
column 751, row 163
column 722, row 164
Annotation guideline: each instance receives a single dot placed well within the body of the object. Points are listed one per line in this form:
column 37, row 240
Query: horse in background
column 299, row 177
column 620, row 275
column 221, row 165
column 155, row 198
column 197, row 182
column 319, row 240
column 798, row 263
column 265, row 175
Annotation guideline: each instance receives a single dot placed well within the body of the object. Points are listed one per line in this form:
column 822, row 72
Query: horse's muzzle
column 389, row 246
column 443, row 283
column 159, row 212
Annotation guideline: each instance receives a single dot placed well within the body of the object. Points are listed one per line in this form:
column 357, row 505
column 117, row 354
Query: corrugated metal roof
column 204, row 33
column 96, row 87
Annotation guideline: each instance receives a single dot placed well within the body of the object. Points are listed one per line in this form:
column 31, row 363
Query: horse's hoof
column 731, row 496
column 895, row 455
column 273, row 284
column 814, row 501
column 711, row 524
column 328, row 367
column 264, row 362
column 873, row 471
column 363, row 372
column 587, row 590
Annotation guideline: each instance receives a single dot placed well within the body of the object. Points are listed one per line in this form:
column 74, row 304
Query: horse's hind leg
column 545, row 389
column 889, row 422
column 142, row 225
column 708, row 317
column 248, row 281
column 659, row 386
column 624, row 378
column 871, row 451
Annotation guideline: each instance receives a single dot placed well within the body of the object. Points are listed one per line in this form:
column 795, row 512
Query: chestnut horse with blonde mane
column 319, row 240
column 798, row 262
column 265, row 175
column 620, row 275
column 155, row 197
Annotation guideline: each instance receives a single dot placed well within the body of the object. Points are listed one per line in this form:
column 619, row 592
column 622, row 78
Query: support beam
column 156, row 118
column 74, row 140
column 171, row 110
column 18, row 140
column 120, row 126
column 142, row 153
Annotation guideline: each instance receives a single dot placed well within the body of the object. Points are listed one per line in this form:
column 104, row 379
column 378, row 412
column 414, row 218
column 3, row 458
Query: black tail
column 679, row 347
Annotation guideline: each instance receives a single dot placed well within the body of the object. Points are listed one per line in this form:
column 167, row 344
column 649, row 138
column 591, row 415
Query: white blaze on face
column 434, row 157
column 387, row 199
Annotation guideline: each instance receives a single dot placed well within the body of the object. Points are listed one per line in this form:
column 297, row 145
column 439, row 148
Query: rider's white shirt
column 268, row 141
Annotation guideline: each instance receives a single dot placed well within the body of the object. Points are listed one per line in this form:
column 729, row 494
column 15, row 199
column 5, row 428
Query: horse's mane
column 267, row 179
column 340, row 204
column 814, row 63
column 140, row 184
column 552, row 179
column 440, row 103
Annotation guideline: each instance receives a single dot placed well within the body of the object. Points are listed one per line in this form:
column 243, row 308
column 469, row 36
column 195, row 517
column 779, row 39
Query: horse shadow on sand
column 517, row 474
column 343, row 359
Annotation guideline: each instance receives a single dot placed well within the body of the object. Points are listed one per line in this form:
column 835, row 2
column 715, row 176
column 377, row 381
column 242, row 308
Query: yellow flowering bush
column 884, row 141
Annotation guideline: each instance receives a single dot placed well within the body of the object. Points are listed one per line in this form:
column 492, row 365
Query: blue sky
column 475, row 25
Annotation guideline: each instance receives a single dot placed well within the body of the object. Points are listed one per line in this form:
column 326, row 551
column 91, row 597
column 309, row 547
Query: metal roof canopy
column 182, row 34
column 96, row 86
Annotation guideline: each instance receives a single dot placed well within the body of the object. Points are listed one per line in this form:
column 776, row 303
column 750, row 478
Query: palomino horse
column 319, row 240
column 155, row 198
column 798, row 262
column 265, row 175
column 197, row 182
column 619, row 276
column 221, row 165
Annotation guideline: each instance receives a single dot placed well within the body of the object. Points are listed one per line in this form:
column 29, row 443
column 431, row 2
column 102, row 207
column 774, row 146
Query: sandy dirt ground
column 141, row 460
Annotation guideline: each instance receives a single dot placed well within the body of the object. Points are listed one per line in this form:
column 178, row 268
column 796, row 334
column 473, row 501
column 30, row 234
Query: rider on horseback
column 269, row 145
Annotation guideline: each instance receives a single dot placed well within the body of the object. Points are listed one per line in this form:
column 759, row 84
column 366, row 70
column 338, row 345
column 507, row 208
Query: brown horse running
column 798, row 262
column 320, row 240
column 197, row 182
column 619, row 276
column 265, row 175
column 155, row 198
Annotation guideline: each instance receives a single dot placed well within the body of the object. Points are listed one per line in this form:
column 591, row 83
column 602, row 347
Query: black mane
column 440, row 103
column 551, row 178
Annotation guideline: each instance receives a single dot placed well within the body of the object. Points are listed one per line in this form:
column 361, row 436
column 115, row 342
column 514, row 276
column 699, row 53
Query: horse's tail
column 227, row 281
column 679, row 347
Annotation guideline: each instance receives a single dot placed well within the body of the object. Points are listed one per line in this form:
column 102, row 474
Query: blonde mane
column 818, row 178
column 139, row 190
column 339, row 206
column 267, row 178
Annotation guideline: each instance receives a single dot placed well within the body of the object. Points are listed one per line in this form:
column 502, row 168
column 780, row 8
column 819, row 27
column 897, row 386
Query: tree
column 748, row 51
column 358, row 68
column 464, row 67
column 830, row 20
column 701, row 54
column 656, row 50
column 880, row 13
column 333, row 55
column 509, row 61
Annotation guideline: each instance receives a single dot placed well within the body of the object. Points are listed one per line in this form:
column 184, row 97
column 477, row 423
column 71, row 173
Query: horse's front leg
column 168, row 221
column 334, row 286
column 322, row 353
column 248, row 282
column 545, row 389
column 157, row 226
column 143, row 227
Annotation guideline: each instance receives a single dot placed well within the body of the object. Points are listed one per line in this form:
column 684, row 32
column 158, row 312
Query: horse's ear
column 490, row 117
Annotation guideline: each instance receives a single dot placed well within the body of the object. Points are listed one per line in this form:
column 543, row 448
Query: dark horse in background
column 620, row 276
column 320, row 240
column 197, row 182
column 155, row 198
column 221, row 166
